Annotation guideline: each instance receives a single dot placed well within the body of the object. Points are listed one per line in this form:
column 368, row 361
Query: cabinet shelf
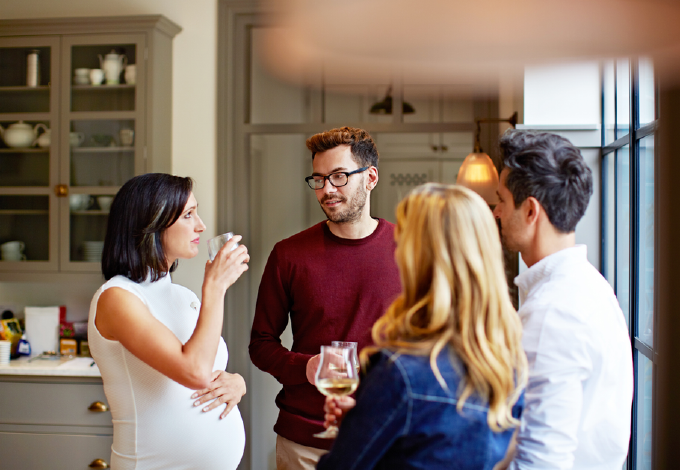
column 90, row 212
column 112, row 149
column 13, row 89
column 25, row 150
column 24, row 212
column 102, row 87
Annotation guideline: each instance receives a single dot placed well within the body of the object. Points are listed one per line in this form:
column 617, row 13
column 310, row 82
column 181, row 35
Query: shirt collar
column 535, row 275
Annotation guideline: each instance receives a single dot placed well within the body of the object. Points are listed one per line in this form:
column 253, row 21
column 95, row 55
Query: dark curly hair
column 552, row 170
column 141, row 211
column 364, row 151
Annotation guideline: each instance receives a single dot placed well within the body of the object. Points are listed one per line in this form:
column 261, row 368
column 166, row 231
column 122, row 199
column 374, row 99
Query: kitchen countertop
column 65, row 367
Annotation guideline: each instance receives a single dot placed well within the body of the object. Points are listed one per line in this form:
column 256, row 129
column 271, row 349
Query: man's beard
column 352, row 212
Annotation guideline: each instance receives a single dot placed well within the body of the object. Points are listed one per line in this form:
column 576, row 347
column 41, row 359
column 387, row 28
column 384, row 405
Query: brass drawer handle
column 98, row 463
column 98, row 407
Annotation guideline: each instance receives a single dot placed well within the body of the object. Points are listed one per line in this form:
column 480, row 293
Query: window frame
column 632, row 139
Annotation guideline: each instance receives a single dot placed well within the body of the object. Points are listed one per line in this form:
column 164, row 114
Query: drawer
column 53, row 403
column 53, row 451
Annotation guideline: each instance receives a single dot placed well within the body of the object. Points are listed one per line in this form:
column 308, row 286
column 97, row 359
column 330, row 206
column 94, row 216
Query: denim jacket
column 404, row 419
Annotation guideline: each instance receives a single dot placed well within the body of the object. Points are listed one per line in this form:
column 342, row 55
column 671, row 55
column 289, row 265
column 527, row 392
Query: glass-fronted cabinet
column 82, row 112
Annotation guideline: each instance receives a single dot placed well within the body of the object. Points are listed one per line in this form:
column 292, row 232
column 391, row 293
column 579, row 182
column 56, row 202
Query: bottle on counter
column 24, row 347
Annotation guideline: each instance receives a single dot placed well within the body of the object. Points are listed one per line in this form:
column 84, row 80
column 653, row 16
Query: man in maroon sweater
column 334, row 280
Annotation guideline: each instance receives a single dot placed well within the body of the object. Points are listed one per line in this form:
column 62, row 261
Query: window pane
column 643, row 433
column 622, row 97
column 609, row 216
column 609, row 103
column 623, row 230
column 645, row 264
column 646, row 91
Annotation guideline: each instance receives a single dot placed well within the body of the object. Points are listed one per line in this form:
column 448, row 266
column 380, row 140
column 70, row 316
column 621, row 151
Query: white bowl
column 104, row 202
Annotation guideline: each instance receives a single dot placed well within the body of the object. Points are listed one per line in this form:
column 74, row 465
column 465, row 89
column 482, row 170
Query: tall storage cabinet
column 55, row 193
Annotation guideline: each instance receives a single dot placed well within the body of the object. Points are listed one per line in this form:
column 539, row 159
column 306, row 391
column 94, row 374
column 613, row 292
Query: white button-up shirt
column 580, row 390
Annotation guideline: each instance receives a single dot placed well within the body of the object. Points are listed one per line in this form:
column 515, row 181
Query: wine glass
column 336, row 377
column 355, row 354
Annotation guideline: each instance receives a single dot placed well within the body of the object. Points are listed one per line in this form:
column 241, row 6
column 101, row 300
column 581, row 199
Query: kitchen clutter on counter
column 44, row 333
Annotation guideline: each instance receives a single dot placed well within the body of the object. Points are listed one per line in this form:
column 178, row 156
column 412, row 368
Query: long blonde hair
column 455, row 292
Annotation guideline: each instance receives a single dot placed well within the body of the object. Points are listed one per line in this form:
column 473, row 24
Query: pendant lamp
column 478, row 172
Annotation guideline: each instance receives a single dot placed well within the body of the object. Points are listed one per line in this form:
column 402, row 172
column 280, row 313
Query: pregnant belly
column 184, row 438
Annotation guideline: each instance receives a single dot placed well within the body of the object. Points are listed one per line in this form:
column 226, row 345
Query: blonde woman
column 445, row 378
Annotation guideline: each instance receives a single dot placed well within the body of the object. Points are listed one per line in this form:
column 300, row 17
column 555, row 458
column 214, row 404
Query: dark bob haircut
column 551, row 169
column 141, row 211
column 364, row 151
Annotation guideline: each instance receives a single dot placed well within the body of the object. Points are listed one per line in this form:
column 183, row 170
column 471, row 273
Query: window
column 630, row 122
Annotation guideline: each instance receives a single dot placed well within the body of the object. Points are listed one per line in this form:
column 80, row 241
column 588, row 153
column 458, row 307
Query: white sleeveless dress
column 155, row 425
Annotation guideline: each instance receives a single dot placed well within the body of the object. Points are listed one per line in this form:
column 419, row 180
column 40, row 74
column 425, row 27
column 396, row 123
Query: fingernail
column 205, row 409
column 195, row 395
column 196, row 403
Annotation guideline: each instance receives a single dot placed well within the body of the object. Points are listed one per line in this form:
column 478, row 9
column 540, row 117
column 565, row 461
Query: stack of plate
column 93, row 251
column 5, row 349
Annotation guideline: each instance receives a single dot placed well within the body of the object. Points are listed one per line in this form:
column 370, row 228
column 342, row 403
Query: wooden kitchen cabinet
column 54, row 198
column 54, row 422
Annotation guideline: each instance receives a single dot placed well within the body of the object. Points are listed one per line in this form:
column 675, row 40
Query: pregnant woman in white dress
column 159, row 349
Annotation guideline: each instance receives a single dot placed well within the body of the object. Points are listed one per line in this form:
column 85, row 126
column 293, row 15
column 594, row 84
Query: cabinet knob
column 61, row 190
column 98, row 407
column 98, row 463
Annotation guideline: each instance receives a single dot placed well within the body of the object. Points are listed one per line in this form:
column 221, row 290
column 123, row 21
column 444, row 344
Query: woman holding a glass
column 444, row 381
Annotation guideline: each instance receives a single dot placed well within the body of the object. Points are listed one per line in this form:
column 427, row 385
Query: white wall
column 565, row 99
column 562, row 94
column 194, row 93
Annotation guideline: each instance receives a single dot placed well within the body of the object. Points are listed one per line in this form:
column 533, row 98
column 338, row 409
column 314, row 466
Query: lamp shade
column 479, row 174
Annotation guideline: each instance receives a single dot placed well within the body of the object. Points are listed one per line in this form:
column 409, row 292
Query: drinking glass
column 336, row 377
column 214, row 244
column 355, row 354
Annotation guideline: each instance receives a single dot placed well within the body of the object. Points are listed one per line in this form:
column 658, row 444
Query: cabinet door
column 53, row 451
column 397, row 178
column 102, row 136
column 29, row 80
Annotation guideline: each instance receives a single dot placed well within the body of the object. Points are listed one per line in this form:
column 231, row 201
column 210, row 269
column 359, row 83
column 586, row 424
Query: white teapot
column 20, row 134
column 112, row 64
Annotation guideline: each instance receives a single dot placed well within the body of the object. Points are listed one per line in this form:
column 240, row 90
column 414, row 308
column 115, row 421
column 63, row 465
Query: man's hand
column 312, row 366
column 336, row 408
column 224, row 388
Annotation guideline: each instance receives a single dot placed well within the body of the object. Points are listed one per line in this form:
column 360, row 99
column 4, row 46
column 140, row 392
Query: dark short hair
column 141, row 211
column 363, row 149
column 552, row 170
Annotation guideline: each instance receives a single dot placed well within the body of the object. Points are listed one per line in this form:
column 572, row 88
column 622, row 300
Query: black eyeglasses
column 338, row 179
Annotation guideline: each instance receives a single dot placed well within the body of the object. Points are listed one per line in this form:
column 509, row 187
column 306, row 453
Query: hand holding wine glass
column 336, row 377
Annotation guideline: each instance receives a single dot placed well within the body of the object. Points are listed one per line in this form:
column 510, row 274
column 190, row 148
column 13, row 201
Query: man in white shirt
column 580, row 390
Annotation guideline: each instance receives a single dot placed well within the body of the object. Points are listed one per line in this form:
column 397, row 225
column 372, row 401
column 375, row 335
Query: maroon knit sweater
column 334, row 290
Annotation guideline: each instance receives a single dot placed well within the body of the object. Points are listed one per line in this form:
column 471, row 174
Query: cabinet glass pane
column 24, row 167
column 352, row 103
column 647, row 91
column 25, row 219
column 15, row 95
column 437, row 103
column 102, row 152
column 114, row 89
column 623, row 231
column 645, row 265
column 643, row 433
column 273, row 101
column 87, row 226
column 609, row 85
column 622, row 97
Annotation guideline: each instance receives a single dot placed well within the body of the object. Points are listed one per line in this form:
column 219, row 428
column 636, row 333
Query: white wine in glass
column 336, row 377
